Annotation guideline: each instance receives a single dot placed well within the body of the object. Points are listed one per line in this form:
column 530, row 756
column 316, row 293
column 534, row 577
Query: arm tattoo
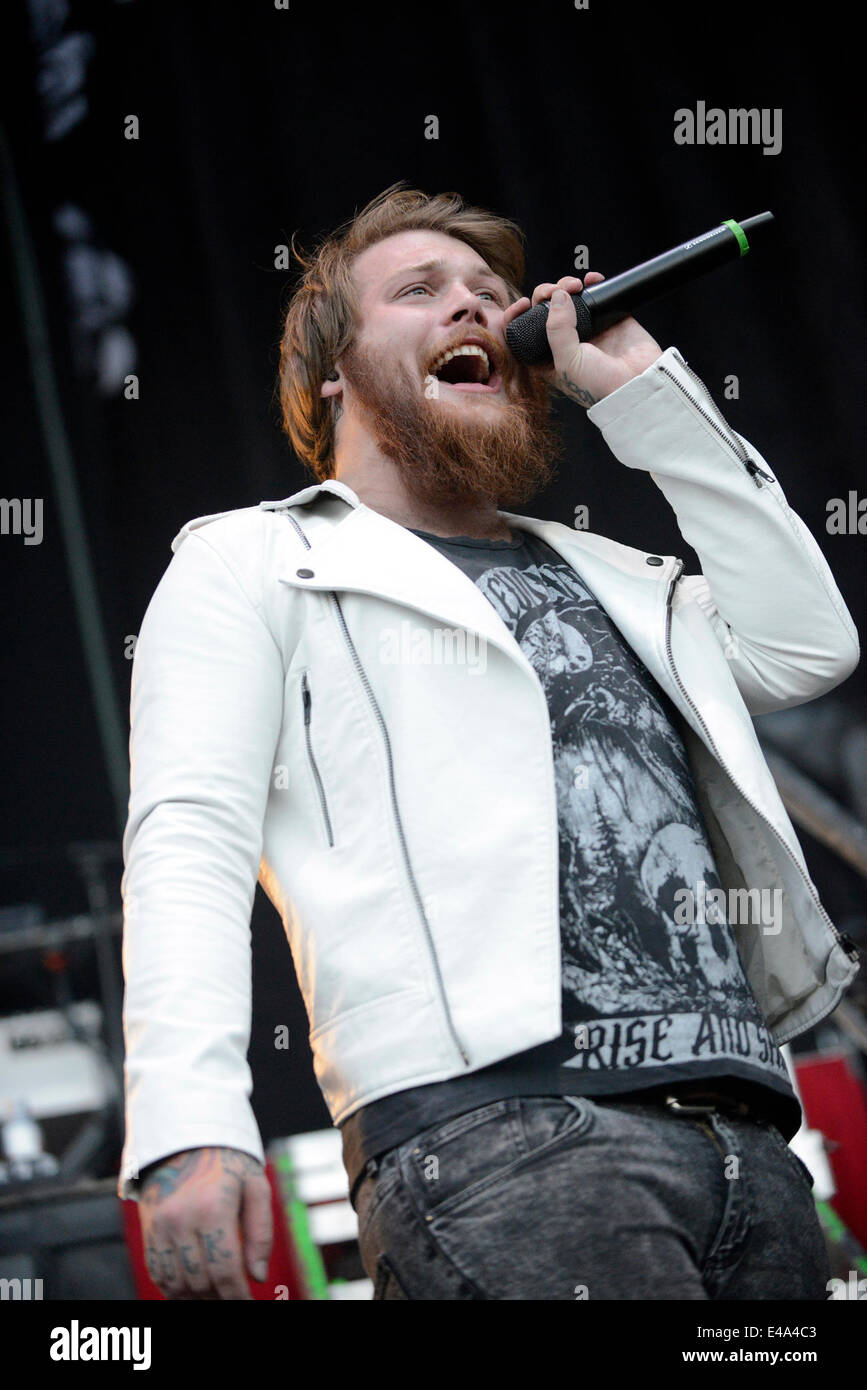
column 575, row 393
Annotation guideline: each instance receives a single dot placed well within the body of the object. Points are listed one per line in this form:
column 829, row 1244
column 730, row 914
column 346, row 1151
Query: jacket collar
column 626, row 560
column 366, row 552
column 308, row 494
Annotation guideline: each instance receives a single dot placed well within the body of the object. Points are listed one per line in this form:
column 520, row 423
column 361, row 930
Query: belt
column 691, row 1098
column 702, row 1102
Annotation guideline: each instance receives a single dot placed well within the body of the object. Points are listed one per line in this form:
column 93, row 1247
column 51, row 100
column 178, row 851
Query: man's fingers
column 519, row 306
column 257, row 1225
column 191, row 1253
column 544, row 291
column 561, row 330
column 572, row 284
column 197, row 1271
column 163, row 1264
column 203, row 1262
column 224, row 1263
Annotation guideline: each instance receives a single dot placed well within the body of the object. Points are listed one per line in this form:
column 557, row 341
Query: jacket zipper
column 719, row 424
column 845, row 941
column 307, row 699
column 404, row 850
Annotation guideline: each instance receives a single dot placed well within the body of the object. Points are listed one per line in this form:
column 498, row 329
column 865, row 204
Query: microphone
column 597, row 307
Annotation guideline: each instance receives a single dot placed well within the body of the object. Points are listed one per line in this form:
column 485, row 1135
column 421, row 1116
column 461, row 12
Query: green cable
column 739, row 233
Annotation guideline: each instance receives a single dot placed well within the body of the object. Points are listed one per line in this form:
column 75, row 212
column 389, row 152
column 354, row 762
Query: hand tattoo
column 160, row 1263
column 162, row 1179
column 213, row 1253
column 190, row 1265
column 230, row 1167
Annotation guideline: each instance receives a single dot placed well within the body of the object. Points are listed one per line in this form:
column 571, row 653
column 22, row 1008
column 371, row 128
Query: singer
column 554, row 1078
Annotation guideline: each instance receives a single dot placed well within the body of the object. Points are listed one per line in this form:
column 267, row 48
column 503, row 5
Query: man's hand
column 199, row 1210
column 588, row 372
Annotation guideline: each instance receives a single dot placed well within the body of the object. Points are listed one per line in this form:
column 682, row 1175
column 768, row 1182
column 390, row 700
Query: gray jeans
column 548, row 1197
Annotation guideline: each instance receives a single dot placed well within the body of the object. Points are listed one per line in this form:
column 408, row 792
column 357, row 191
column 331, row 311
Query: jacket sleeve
column 765, row 586
column 205, row 713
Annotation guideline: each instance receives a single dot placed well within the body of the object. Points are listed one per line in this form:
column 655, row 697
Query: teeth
column 467, row 350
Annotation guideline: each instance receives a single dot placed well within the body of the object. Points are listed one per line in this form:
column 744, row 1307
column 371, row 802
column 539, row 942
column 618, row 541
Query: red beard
column 445, row 452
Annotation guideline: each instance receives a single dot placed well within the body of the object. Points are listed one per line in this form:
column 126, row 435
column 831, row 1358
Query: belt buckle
column 674, row 1104
column 723, row 1104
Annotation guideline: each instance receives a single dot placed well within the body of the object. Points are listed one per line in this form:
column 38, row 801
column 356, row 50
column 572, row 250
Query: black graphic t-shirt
column 653, row 990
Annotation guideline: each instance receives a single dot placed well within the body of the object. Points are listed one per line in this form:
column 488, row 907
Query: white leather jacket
column 401, row 815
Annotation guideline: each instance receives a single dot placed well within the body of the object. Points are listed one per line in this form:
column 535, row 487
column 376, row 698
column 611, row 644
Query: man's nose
column 469, row 306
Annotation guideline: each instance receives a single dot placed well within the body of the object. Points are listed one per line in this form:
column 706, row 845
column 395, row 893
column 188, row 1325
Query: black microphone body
column 597, row 307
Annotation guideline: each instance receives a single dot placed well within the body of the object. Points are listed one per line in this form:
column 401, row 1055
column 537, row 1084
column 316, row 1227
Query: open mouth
column 467, row 368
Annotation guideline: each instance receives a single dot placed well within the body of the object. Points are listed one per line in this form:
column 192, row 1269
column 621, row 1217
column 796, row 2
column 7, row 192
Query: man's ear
column 332, row 384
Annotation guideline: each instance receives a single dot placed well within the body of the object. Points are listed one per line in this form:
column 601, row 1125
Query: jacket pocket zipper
column 845, row 941
column 717, row 423
column 307, row 699
column 404, row 850
column 399, row 824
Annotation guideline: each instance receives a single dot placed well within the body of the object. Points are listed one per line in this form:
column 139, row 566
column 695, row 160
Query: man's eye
column 411, row 289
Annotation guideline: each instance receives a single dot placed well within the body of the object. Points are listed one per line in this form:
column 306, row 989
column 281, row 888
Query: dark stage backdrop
column 251, row 120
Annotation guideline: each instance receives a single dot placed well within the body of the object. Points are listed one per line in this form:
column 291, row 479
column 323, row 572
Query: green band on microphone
column 739, row 233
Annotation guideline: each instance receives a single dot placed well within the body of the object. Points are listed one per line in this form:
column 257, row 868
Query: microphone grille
column 527, row 334
column 527, row 338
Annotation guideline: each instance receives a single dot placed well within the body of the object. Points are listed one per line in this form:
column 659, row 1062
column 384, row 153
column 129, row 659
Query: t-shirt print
column 645, row 982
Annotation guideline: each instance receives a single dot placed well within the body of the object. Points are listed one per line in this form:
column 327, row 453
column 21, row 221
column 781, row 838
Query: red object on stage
column 835, row 1102
column 283, row 1280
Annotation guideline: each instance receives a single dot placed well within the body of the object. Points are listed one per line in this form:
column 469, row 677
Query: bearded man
column 554, row 1078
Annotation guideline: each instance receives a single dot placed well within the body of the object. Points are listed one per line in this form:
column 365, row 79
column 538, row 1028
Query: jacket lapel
column 366, row 552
